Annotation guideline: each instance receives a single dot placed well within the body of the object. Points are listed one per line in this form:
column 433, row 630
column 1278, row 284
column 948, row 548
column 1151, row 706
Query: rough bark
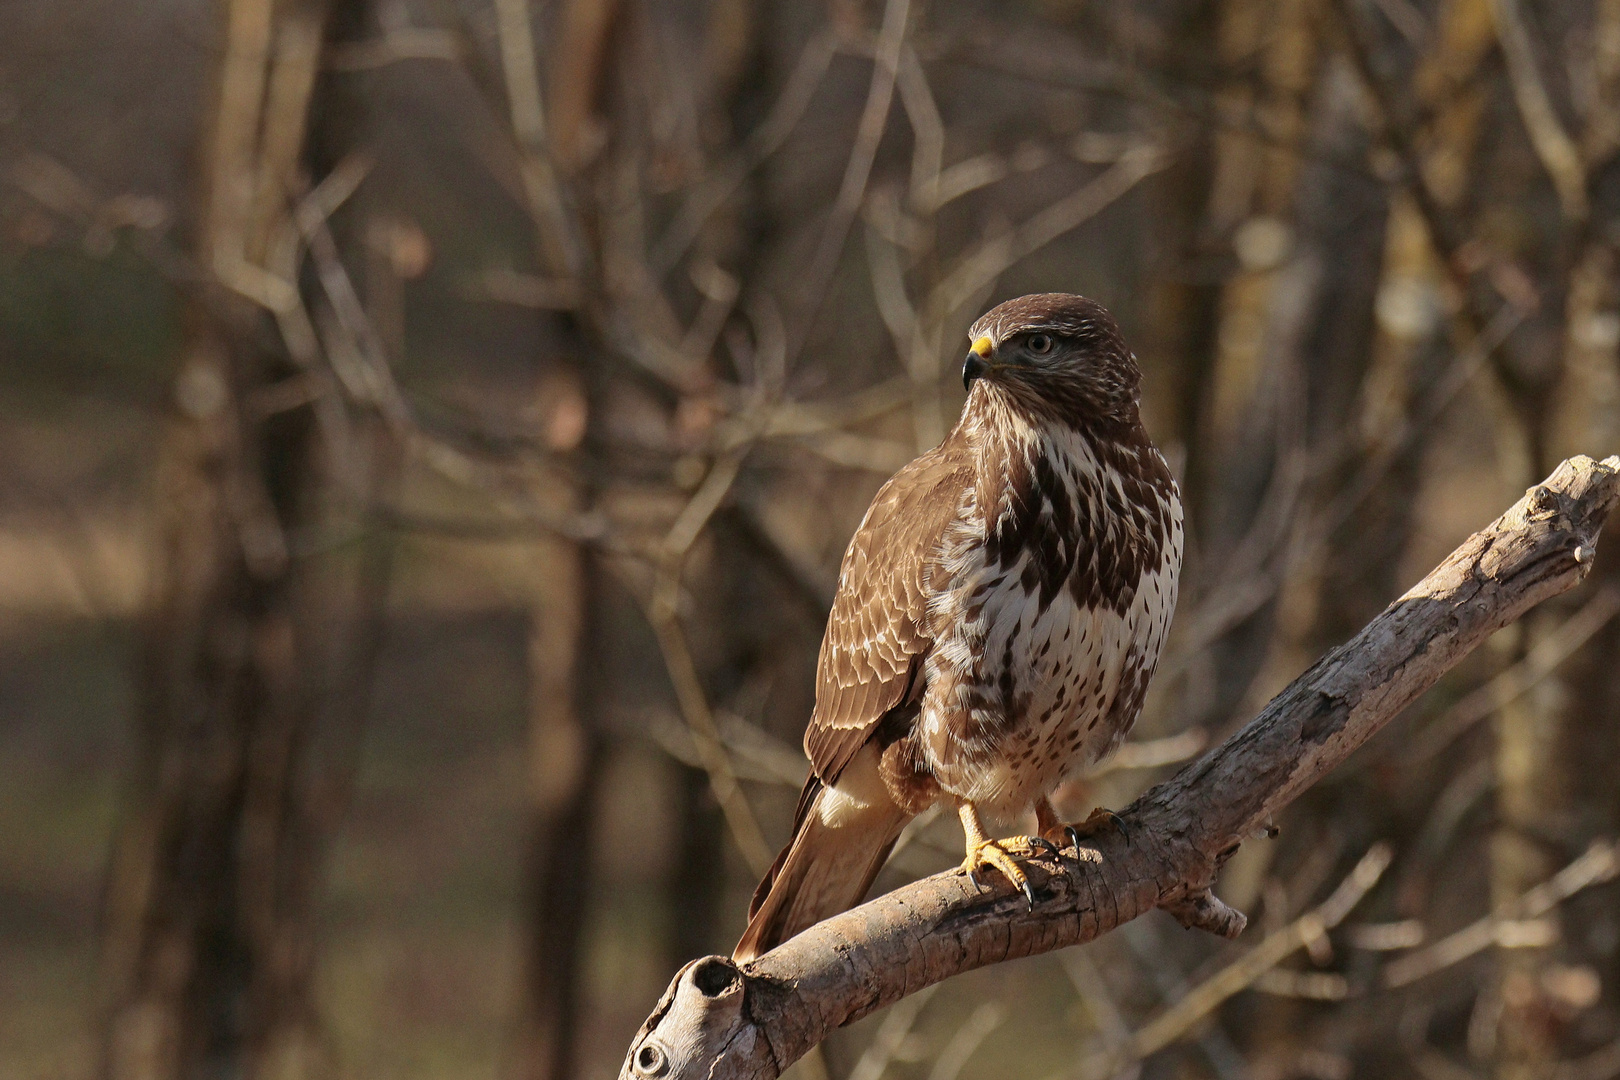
column 717, row 1020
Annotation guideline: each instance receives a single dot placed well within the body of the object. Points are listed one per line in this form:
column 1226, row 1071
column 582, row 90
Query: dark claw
column 1119, row 823
column 1029, row 894
column 1074, row 836
column 973, row 876
column 1044, row 844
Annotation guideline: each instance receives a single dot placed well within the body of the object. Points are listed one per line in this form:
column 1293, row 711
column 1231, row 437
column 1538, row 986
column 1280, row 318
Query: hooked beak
column 976, row 366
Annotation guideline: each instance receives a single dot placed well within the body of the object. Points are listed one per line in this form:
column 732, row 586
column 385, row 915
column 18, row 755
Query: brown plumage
column 999, row 613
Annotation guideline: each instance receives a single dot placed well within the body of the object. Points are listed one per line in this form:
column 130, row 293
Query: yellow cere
column 982, row 346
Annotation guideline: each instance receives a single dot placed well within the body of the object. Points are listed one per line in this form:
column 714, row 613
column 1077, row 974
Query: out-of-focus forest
column 429, row 430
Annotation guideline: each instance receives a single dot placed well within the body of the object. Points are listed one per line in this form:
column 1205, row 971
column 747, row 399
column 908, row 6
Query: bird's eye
column 1039, row 344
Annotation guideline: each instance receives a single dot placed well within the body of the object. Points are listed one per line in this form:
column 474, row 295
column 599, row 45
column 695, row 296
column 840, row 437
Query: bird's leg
column 1047, row 822
column 1099, row 819
column 1055, row 828
column 1001, row 854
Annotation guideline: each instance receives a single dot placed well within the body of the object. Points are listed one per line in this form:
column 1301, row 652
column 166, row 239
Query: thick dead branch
column 721, row 1021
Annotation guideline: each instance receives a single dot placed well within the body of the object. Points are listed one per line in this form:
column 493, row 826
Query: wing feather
column 875, row 642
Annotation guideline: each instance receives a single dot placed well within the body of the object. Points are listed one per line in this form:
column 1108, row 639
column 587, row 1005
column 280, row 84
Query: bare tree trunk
column 595, row 87
column 1547, row 380
column 567, row 752
column 1250, row 411
column 1329, row 589
column 1590, row 403
column 1541, row 756
column 734, row 73
column 257, row 652
column 567, row 741
column 1183, row 285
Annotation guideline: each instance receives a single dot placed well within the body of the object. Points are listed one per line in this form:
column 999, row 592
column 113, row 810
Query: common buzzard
column 998, row 616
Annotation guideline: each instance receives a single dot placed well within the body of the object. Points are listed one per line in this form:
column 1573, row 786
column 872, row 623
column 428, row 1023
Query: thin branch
column 712, row 754
column 526, row 290
column 1386, row 937
column 1518, row 680
column 1600, row 863
column 1445, row 233
column 882, row 456
column 927, row 127
column 1558, row 153
column 1164, row 972
column 976, row 272
column 1170, row 1025
column 561, row 254
column 398, row 44
column 1155, row 753
column 978, row 1026
column 756, row 754
column 762, row 142
column 721, row 1021
column 1099, row 1003
column 1306, row 985
column 991, row 259
column 858, row 169
column 1602, row 134
column 663, row 612
column 1237, row 596
column 890, row 1034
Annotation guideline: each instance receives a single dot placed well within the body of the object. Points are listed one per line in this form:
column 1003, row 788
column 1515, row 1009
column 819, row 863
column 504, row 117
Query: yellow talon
column 1002, row 855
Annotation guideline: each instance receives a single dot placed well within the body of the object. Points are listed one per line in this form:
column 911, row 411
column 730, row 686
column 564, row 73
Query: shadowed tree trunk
column 1184, row 280
column 1248, row 413
column 735, row 70
column 258, row 646
column 568, row 754
column 568, row 745
column 1539, row 761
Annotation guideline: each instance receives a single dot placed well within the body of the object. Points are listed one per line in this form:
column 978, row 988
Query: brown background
column 402, row 677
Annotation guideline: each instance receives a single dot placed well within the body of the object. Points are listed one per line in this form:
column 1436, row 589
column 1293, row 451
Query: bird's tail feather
column 825, row 869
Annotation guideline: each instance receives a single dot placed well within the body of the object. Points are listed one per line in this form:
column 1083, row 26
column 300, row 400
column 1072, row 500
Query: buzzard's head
column 1055, row 354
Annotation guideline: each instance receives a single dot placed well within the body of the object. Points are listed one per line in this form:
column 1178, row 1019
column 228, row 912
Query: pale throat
column 999, row 432
column 996, row 426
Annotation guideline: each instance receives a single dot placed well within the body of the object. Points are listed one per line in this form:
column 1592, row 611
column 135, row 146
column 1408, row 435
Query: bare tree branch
column 1242, row 973
column 862, row 155
column 1542, row 660
column 1600, row 863
column 720, row 1021
column 1557, row 151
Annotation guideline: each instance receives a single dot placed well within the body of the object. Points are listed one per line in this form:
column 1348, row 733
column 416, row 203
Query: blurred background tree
column 431, row 428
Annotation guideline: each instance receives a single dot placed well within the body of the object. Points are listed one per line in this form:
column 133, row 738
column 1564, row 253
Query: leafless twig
column 1557, row 151
column 1600, row 863
column 863, row 152
column 890, row 1034
column 1242, row 973
column 1542, row 660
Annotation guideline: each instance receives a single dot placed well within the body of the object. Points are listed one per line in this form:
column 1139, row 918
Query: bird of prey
column 999, row 613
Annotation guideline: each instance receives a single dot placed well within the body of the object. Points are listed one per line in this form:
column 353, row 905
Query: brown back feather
column 875, row 637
